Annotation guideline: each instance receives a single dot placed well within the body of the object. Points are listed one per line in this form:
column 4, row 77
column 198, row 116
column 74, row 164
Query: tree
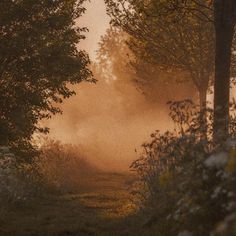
column 117, row 62
column 224, row 20
column 39, row 58
column 168, row 40
column 114, row 55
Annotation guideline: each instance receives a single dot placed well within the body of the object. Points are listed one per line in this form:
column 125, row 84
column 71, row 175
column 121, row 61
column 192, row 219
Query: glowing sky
column 96, row 20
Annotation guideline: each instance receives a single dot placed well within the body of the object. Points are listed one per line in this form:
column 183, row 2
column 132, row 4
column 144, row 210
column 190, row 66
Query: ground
column 103, row 206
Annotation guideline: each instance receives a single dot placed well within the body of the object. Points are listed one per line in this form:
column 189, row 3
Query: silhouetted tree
column 224, row 19
column 39, row 58
column 171, row 40
column 221, row 13
column 113, row 54
column 117, row 62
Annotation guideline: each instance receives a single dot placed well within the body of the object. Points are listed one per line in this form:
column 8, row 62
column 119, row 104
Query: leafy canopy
column 39, row 58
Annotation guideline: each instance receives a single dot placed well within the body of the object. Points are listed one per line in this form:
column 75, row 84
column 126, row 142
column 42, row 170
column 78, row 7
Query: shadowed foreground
column 103, row 207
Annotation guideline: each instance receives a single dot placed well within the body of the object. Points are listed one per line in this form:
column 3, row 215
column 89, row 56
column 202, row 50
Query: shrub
column 18, row 181
column 63, row 166
column 187, row 180
column 58, row 168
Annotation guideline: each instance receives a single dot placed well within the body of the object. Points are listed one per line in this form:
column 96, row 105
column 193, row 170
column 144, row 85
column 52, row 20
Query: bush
column 63, row 166
column 187, row 180
column 58, row 168
column 18, row 181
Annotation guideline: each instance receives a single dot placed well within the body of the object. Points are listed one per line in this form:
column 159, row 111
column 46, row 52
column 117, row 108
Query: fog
column 106, row 124
column 111, row 119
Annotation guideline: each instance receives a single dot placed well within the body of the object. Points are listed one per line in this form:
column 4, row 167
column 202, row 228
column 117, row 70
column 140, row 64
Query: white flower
column 217, row 160
column 4, row 149
column 230, row 206
column 230, row 194
column 185, row 233
column 205, row 177
column 216, row 192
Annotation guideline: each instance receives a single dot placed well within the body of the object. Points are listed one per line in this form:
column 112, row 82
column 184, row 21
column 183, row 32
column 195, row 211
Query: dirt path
column 103, row 207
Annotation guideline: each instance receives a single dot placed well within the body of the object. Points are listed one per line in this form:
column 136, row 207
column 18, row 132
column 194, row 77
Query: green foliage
column 39, row 58
column 187, row 180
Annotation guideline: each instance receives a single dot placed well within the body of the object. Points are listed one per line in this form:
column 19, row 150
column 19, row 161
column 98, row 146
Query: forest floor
column 103, row 206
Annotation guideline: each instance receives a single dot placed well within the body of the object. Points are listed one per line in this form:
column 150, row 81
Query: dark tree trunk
column 224, row 30
column 202, row 98
column 203, row 104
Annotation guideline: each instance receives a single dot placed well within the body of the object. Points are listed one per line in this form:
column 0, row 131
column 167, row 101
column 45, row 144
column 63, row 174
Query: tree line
column 39, row 54
column 193, row 36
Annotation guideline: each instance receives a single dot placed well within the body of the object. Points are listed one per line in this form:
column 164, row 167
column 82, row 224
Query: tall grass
column 63, row 167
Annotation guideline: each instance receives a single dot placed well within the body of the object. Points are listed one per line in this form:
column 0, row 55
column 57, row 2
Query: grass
column 102, row 206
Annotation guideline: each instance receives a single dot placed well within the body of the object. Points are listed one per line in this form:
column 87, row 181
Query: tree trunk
column 203, row 118
column 202, row 98
column 224, row 30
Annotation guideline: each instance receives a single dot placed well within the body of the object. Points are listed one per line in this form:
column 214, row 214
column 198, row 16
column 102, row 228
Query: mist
column 110, row 120
column 117, row 117
column 108, row 124
column 105, row 122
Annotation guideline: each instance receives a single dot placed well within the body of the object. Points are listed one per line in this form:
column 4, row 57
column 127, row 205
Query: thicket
column 187, row 179
column 59, row 168
column 64, row 167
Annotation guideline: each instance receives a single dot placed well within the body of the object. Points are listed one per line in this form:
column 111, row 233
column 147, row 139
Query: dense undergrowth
column 58, row 168
column 187, row 181
column 64, row 167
